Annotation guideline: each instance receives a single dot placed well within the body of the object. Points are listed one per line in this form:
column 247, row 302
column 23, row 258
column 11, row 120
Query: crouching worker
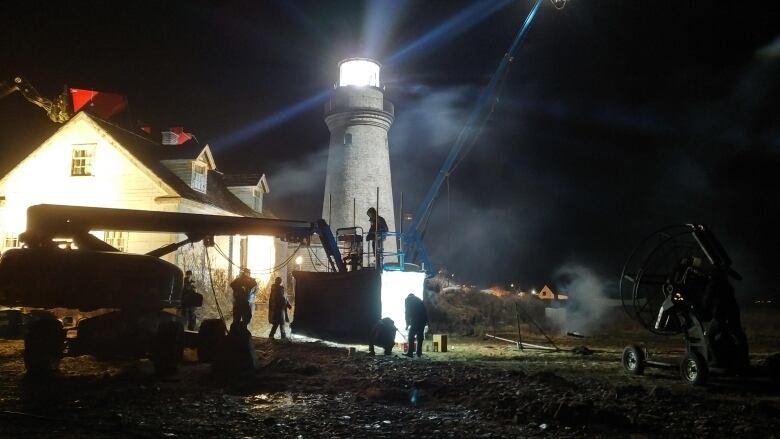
column 383, row 335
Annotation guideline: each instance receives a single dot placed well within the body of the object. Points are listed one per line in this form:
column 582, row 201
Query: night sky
column 616, row 118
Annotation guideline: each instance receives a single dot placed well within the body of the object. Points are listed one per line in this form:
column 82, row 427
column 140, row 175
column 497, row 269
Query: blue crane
column 412, row 239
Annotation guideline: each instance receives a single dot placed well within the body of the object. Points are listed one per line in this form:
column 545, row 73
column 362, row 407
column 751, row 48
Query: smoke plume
column 588, row 298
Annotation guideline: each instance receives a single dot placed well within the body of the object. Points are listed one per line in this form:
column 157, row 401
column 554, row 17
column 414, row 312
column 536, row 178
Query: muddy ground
column 481, row 388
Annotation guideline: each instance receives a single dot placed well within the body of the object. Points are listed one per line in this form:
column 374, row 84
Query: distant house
column 547, row 294
column 91, row 162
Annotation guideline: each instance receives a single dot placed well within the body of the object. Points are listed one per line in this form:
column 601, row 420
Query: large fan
column 654, row 266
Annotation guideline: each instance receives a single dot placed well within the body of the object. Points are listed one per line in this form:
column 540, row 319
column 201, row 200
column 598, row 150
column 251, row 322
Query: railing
column 355, row 247
column 347, row 103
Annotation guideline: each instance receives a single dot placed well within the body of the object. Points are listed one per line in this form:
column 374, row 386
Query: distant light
column 299, row 260
column 533, row 291
column 511, row 285
column 359, row 72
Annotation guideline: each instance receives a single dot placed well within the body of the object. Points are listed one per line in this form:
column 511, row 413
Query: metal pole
column 400, row 235
column 401, row 216
column 528, row 316
column 376, row 232
column 519, row 337
column 449, row 227
column 525, row 345
column 330, row 209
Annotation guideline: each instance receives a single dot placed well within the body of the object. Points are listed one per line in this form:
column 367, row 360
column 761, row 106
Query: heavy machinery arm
column 96, row 275
column 57, row 109
column 412, row 238
column 46, row 222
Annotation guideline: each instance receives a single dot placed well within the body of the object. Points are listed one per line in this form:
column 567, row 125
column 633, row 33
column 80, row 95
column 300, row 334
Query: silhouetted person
column 188, row 299
column 416, row 319
column 376, row 234
column 243, row 287
column 727, row 340
column 383, row 335
column 277, row 308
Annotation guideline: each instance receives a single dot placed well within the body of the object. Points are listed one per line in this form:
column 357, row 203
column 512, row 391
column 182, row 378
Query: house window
column 199, row 177
column 118, row 240
column 11, row 241
column 348, row 139
column 82, row 160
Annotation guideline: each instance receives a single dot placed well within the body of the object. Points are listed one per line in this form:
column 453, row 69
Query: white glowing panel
column 359, row 72
column 261, row 255
column 396, row 285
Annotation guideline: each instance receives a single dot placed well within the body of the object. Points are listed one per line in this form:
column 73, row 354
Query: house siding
column 120, row 181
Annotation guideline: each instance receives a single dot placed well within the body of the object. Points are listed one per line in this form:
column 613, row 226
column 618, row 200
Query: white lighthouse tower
column 359, row 117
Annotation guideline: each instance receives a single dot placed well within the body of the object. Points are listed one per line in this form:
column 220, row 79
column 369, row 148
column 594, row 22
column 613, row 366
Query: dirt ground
column 480, row 388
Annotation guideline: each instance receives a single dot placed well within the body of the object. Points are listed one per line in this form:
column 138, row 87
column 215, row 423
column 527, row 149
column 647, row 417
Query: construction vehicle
column 87, row 274
column 676, row 281
column 58, row 109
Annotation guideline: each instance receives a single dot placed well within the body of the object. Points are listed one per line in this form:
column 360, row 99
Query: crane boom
column 413, row 239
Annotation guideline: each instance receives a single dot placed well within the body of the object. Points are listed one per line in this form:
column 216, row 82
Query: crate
column 439, row 342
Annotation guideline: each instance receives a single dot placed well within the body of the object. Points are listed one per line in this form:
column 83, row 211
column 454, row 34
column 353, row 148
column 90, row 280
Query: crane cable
column 213, row 290
column 467, row 135
column 557, row 4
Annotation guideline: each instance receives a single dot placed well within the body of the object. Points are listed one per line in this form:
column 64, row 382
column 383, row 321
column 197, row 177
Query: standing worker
column 416, row 319
column 243, row 286
column 376, row 234
column 277, row 308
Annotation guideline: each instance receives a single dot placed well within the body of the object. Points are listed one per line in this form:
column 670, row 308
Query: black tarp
column 341, row 307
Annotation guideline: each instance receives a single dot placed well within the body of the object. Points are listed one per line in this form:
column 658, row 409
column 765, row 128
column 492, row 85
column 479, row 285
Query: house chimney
column 175, row 136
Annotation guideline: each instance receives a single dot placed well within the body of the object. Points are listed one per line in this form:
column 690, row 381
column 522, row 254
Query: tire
column 167, row 347
column 43, row 346
column 694, row 370
column 634, row 360
column 210, row 337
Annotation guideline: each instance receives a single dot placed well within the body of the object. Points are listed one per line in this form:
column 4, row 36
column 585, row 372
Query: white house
column 92, row 162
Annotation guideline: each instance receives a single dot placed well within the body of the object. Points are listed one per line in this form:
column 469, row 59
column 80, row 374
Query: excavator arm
column 57, row 109
column 96, row 275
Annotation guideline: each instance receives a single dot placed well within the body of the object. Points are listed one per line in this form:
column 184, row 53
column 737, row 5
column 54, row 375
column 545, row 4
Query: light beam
column 457, row 24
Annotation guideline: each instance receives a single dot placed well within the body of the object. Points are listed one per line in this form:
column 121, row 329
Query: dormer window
column 82, row 159
column 199, row 177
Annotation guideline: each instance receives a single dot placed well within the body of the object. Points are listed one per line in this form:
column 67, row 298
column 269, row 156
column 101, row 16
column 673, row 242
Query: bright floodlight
column 359, row 72
column 298, row 260
column 396, row 285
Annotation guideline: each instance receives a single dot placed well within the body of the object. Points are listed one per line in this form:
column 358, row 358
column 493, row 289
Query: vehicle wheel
column 694, row 369
column 634, row 360
column 210, row 337
column 43, row 346
column 167, row 347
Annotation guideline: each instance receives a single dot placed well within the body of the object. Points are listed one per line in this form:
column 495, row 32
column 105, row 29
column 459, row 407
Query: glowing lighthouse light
column 359, row 72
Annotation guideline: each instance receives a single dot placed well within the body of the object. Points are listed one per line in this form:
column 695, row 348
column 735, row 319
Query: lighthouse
column 358, row 173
